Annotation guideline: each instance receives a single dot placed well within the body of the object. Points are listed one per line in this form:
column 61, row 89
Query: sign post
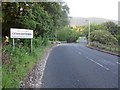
column 21, row 33
column 13, row 44
column 31, row 45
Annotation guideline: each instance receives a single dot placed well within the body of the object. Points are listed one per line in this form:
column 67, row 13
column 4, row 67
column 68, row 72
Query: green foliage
column 118, row 38
column 103, row 37
column 112, row 27
column 21, row 61
column 63, row 34
column 93, row 27
column 37, row 42
column 42, row 17
column 0, row 77
column 112, row 48
column 104, row 33
column 67, row 34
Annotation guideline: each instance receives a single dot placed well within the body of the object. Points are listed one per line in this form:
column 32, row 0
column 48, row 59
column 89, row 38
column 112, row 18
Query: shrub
column 118, row 38
column 103, row 37
column 67, row 34
column 17, row 63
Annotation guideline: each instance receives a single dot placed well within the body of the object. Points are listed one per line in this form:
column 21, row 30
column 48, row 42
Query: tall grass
column 0, row 66
column 21, row 62
column 111, row 48
column 0, row 77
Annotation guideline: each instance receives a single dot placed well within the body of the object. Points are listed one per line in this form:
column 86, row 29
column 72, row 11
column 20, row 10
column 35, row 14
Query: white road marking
column 117, row 62
column 39, row 82
column 98, row 63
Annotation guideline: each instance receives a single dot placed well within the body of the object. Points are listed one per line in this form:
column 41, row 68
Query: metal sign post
column 31, row 45
column 13, row 44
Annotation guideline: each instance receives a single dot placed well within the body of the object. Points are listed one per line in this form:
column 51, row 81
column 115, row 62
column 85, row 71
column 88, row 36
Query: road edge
column 34, row 77
column 112, row 53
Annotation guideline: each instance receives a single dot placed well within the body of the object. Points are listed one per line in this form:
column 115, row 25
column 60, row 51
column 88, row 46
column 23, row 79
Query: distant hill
column 82, row 21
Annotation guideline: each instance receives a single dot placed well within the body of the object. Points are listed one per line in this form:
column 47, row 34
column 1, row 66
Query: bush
column 37, row 42
column 63, row 34
column 45, row 41
column 103, row 37
column 67, row 34
column 118, row 38
column 20, row 61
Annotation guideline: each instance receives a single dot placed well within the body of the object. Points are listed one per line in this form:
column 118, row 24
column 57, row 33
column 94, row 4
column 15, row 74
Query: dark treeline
column 42, row 17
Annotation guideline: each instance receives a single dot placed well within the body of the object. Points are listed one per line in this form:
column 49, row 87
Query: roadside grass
column 21, row 62
column 0, row 66
column 111, row 48
column 0, row 77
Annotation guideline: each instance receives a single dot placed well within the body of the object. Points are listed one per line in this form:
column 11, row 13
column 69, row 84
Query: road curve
column 76, row 66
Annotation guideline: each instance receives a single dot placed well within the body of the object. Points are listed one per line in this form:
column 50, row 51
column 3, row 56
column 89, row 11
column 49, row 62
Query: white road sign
column 21, row 33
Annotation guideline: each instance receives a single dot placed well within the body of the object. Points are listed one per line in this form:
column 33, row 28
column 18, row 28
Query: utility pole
column 88, row 32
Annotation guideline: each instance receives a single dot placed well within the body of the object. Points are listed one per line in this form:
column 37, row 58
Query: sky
column 107, row 9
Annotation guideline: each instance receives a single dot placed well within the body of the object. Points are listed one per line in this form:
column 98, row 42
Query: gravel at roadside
column 34, row 77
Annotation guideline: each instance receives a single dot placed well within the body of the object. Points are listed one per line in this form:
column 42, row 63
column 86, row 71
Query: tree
column 103, row 37
column 93, row 27
column 67, row 34
column 43, row 17
column 112, row 28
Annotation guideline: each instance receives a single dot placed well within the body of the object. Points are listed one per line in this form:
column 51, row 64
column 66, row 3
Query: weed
column 20, row 62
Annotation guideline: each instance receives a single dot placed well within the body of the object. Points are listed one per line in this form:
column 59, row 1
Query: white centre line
column 117, row 62
column 80, row 53
column 98, row 63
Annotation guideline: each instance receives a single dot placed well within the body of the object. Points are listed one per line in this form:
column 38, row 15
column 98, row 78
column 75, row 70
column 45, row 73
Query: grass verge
column 19, row 64
column 0, row 67
column 0, row 77
column 113, row 49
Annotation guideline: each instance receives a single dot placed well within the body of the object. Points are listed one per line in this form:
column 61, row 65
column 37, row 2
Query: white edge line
column 42, row 74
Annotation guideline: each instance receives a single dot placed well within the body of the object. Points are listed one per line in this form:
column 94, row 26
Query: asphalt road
column 76, row 66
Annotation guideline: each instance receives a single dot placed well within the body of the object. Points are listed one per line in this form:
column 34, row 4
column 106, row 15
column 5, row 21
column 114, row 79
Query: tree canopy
column 112, row 27
column 103, row 37
column 42, row 17
column 105, row 33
